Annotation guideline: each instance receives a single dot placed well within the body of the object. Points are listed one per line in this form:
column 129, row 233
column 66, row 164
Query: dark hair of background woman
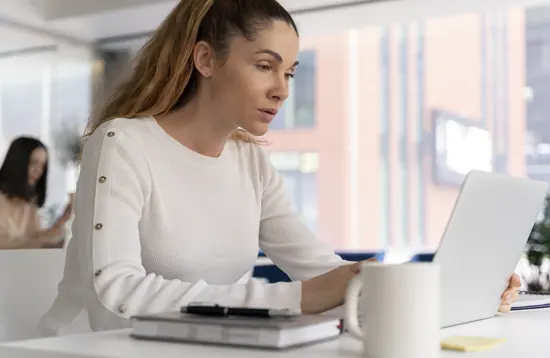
column 14, row 173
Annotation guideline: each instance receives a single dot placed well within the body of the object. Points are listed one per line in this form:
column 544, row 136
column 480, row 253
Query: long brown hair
column 163, row 76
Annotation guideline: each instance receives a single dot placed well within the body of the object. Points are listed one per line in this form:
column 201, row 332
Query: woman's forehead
column 278, row 40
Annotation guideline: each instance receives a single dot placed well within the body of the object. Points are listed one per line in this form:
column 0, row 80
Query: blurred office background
column 393, row 103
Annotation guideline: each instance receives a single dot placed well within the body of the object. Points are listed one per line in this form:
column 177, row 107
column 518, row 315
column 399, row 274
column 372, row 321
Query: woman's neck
column 195, row 126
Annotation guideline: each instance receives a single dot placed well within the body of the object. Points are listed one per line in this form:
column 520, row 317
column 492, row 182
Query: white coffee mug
column 399, row 310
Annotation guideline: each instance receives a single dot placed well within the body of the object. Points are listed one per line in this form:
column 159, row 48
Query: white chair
column 28, row 286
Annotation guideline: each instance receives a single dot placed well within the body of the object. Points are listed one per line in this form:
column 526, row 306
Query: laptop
column 483, row 242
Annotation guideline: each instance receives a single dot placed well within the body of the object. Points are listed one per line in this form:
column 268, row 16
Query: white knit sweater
column 158, row 226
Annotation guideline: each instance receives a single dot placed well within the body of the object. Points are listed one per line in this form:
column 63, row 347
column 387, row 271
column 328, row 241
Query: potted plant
column 68, row 142
column 67, row 145
column 537, row 252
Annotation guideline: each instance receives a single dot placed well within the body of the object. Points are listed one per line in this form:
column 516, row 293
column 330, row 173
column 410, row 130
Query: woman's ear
column 204, row 58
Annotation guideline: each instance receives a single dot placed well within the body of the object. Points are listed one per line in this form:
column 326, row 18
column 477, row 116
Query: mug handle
column 351, row 321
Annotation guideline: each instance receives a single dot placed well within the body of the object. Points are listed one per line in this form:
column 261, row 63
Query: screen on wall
column 460, row 145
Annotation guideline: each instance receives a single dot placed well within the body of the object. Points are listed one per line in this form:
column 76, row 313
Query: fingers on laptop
column 515, row 281
column 510, row 296
column 506, row 303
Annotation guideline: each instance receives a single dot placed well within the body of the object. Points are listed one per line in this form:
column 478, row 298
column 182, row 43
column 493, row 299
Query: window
column 21, row 104
column 299, row 173
column 299, row 109
column 71, row 94
column 40, row 95
column 400, row 74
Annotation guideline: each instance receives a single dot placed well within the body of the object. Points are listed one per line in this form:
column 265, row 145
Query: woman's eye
column 289, row 75
column 264, row 67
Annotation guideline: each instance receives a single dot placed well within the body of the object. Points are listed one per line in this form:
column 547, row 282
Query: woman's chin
column 257, row 129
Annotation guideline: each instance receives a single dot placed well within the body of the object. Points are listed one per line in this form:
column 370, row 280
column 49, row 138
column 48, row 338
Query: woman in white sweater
column 175, row 194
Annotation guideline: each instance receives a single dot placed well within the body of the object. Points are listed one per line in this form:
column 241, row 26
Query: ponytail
column 164, row 75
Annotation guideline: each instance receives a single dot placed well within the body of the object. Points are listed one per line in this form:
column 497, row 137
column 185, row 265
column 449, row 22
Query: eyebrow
column 277, row 57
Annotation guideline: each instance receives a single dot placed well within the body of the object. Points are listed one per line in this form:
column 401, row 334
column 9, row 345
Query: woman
column 23, row 178
column 175, row 195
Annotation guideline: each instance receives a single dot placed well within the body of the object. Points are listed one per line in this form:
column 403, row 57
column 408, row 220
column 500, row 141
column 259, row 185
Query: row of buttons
column 102, row 179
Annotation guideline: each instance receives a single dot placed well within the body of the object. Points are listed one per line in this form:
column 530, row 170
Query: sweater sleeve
column 284, row 238
column 114, row 188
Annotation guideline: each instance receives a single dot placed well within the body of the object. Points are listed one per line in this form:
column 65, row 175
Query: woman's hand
column 510, row 295
column 66, row 216
column 328, row 291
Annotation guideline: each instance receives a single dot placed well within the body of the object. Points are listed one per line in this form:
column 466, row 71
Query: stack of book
column 261, row 332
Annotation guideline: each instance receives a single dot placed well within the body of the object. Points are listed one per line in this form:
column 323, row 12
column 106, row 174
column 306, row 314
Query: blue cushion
column 270, row 272
column 425, row 257
column 274, row 274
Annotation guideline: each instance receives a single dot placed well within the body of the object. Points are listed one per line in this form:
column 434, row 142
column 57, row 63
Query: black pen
column 221, row 311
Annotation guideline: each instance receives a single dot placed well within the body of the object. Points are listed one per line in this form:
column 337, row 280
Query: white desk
column 526, row 333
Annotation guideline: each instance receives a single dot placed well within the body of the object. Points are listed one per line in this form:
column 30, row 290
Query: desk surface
column 526, row 335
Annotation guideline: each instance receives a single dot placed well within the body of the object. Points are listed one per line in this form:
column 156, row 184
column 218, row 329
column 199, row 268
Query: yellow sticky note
column 469, row 343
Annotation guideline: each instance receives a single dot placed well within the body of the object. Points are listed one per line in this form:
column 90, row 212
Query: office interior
column 394, row 102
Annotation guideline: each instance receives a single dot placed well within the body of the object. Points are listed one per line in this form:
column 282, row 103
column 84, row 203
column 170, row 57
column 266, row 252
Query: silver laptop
column 483, row 242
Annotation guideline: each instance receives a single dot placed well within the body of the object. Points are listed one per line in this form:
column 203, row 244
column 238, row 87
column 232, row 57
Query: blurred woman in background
column 23, row 178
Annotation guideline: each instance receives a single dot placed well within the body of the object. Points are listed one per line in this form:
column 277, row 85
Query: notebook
column 270, row 333
column 529, row 300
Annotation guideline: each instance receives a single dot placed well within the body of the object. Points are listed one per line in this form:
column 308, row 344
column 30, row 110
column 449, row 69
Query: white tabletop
column 526, row 333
